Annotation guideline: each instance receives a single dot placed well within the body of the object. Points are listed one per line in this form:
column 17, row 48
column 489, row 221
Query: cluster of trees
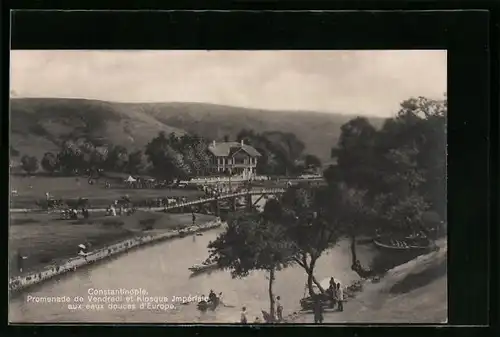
column 84, row 155
column 282, row 152
column 173, row 157
column 386, row 181
column 178, row 157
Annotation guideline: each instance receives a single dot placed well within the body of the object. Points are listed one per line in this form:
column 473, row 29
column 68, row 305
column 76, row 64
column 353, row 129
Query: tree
column 249, row 243
column 392, row 176
column 312, row 162
column 306, row 214
column 98, row 157
column 355, row 154
column 117, row 158
column 136, row 162
column 166, row 157
column 49, row 162
column 29, row 164
column 71, row 157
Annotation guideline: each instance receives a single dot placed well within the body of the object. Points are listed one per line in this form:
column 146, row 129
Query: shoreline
column 364, row 299
column 19, row 284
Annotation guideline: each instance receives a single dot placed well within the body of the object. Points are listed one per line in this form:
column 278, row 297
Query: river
column 162, row 270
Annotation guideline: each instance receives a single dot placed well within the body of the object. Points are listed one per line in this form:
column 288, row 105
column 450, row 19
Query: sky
column 370, row 83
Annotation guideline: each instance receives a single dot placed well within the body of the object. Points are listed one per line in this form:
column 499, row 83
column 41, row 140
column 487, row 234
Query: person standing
column 194, row 218
column 340, row 297
column 318, row 310
column 279, row 309
column 243, row 319
column 20, row 261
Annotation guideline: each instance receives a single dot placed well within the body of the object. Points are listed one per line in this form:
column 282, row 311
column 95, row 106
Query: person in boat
column 340, row 297
column 212, row 297
column 279, row 309
column 257, row 320
column 318, row 310
column 243, row 318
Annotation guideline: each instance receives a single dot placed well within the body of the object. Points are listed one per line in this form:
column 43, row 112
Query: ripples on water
column 162, row 270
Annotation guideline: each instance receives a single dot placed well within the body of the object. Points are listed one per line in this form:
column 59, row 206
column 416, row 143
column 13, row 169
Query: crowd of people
column 335, row 294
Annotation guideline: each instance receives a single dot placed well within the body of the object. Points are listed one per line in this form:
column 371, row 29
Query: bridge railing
column 204, row 200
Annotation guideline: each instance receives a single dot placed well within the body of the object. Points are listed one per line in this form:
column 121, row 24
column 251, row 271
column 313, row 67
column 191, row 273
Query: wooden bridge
column 180, row 206
column 215, row 200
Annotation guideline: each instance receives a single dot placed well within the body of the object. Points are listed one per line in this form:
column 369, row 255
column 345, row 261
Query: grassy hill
column 39, row 125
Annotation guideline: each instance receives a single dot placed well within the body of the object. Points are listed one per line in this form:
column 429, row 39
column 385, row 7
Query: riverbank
column 46, row 239
column 24, row 281
column 414, row 292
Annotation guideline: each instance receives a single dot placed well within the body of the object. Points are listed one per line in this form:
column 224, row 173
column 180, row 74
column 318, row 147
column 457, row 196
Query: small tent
column 130, row 179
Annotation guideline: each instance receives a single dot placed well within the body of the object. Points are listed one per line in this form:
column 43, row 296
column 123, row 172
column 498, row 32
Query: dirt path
column 415, row 292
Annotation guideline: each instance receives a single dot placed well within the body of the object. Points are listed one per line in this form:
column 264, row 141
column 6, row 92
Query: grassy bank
column 414, row 292
column 31, row 190
column 45, row 240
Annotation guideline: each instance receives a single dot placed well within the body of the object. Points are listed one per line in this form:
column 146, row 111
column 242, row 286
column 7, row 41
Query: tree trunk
column 318, row 284
column 310, row 276
column 310, row 283
column 353, row 249
column 271, row 295
column 355, row 266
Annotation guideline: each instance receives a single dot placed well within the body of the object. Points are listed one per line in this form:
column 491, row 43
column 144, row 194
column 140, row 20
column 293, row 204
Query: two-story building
column 234, row 158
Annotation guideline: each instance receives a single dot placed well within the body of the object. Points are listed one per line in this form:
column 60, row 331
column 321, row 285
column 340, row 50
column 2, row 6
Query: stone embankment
column 22, row 282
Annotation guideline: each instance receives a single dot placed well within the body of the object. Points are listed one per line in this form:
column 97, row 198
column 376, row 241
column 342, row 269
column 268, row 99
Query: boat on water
column 208, row 305
column 198, row 268
column 409, row 243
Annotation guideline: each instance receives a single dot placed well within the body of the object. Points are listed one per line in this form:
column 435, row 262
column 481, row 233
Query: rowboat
column 403, row 244
column 208, row 305
column 198, row 268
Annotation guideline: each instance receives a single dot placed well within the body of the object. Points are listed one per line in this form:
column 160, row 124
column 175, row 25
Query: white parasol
column 82, row 246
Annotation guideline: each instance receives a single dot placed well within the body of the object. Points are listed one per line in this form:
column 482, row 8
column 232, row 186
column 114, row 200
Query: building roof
column 225, row 148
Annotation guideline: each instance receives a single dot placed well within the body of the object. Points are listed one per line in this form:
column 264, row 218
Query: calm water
column 162, row 270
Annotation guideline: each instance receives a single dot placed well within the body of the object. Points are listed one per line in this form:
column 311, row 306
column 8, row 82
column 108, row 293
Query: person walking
column 318, row 310
column 340, row 297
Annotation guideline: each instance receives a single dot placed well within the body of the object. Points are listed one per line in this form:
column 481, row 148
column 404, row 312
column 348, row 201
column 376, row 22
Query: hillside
column 41, row 124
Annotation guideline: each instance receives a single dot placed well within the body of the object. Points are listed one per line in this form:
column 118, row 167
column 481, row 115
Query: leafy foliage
column 392, row 176
column 29, row 164
column 49, row 162
column 252, row 242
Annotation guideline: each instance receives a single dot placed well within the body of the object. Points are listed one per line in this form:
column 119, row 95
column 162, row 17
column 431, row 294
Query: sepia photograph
column 247, row 187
